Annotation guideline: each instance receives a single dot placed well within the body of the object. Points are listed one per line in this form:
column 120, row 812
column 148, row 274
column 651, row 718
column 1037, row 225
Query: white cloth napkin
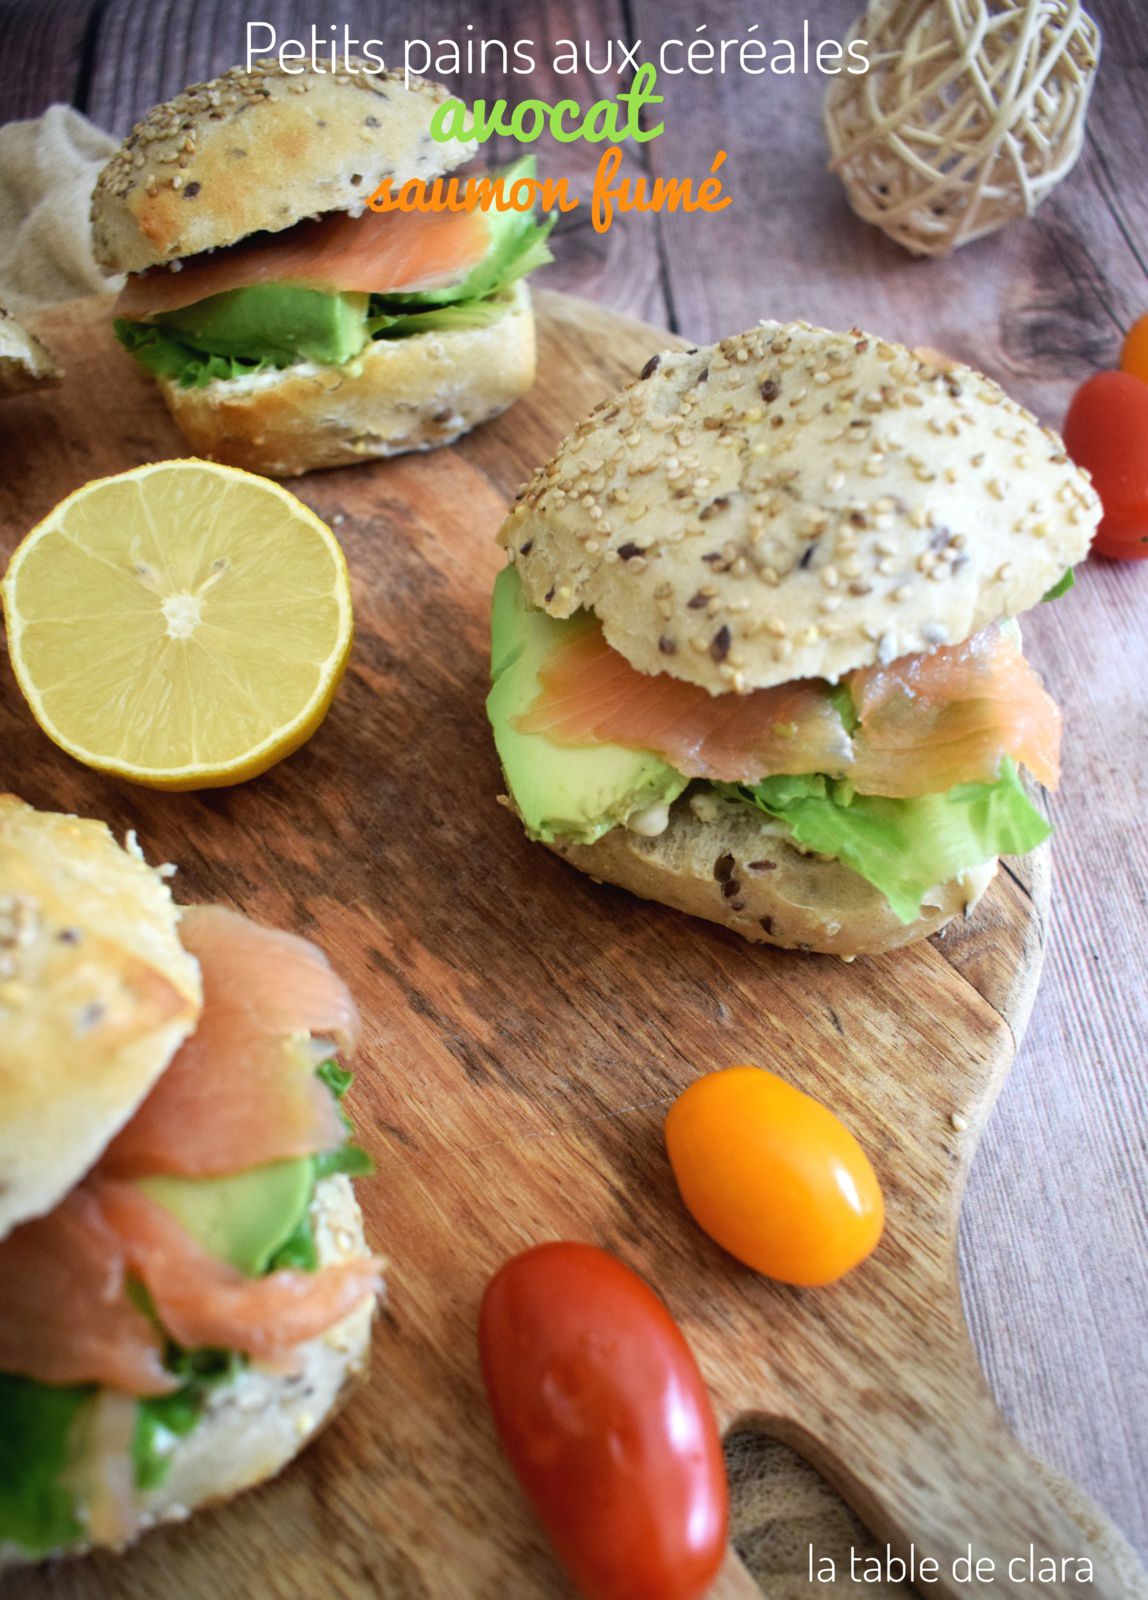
column 48, row 168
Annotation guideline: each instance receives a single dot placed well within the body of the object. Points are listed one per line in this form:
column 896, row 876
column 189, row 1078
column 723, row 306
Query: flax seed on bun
column 258, row 151
column 794, row 503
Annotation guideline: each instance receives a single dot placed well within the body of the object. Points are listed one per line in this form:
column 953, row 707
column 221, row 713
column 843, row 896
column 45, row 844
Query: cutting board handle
column 929, row 1465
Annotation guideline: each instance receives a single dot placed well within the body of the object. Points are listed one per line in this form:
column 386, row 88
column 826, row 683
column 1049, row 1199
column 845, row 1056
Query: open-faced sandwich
column 751, row 655
column 288, row 326
column 186, row 1293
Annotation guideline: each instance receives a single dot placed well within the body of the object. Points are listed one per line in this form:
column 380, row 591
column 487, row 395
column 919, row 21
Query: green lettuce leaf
column 298, row 1250
column 349, row 1158
column 160, row 1423
column 904, row 848
column 337, row 1078
column 297, row 1253
column 1066, row 583
column 438, row 319
column 162, row 1420
column 36, row 1419
column 165, row 356
column 36, row 1511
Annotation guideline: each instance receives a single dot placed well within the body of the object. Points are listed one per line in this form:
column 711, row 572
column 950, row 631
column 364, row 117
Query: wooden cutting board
column 525, row 1034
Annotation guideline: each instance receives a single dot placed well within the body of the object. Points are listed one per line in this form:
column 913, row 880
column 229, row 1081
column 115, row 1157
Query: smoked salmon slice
column 203, row 1302
column 242, row 1090
column 66, row 1316
column 949, row 717
column 376, row 253
column 592, row 695
column 926, row 722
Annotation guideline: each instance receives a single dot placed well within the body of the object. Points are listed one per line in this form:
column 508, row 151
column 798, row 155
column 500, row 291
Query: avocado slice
column 277, row 322
column 243, row 1217
column 561, row 791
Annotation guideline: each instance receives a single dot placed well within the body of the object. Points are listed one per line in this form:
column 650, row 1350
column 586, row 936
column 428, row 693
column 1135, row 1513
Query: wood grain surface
column 1054, row 1231
column 525, row 1033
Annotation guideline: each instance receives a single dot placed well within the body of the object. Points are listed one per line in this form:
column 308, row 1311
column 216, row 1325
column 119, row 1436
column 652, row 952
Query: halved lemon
column 183, row 625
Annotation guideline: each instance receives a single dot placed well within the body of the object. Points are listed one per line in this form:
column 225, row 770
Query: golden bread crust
column 96, row 995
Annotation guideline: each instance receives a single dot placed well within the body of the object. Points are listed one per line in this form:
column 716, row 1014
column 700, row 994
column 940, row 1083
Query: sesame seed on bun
column 794, row 503
column 258, row 151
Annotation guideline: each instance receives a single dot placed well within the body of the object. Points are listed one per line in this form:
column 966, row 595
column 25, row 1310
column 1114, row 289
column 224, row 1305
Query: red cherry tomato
column 1106, row 430
column 603, row 1413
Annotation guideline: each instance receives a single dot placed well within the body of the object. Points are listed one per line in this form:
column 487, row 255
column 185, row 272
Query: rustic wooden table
column 1055, row 1239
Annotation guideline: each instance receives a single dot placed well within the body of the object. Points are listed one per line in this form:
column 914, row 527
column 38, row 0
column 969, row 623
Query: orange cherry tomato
column 604, row 1415
column 1134, row 356
column 773, row 1176
column 1106, row 430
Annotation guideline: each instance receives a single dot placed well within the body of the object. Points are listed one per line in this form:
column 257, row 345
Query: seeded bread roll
column 252, row 1426
column 796, row 503
column 96, row 996
column 258, row 151
column 729, row 864
column 400, row 394
column 24, row 362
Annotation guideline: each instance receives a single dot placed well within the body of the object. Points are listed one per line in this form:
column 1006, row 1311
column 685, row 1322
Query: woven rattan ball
column 970, row 112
